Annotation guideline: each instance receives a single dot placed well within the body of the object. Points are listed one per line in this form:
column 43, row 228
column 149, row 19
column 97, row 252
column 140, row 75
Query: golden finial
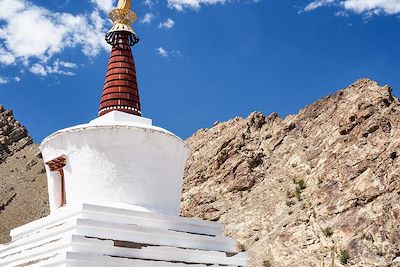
column 122, row 18
column 124, row 4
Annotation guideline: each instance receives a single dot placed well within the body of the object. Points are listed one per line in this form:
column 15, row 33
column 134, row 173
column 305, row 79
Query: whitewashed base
column 118, row 236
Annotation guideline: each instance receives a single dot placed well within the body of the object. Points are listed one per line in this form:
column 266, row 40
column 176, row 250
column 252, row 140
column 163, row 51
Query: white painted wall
column 118, row 158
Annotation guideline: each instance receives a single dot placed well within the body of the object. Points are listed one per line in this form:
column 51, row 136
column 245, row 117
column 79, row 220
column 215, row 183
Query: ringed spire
column 120, row 91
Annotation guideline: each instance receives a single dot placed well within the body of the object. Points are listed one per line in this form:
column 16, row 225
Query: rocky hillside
column 13, row 136
column 320, row 188
column 23, row 190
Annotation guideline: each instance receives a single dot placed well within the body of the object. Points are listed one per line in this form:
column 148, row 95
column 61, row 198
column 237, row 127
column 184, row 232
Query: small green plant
column 240, row 246
column 297, row 193
column 328, row 231
column 302, row 184
column 290, row 203
column 314, row 213
column 267, row 264
column 333, row 252
column 344, row 256
column 290, row 194
column 379, row 251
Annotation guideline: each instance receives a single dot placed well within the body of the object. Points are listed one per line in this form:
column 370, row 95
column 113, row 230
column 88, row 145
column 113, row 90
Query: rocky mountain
column 23, row 189
column 13, row 136
column 319, row 188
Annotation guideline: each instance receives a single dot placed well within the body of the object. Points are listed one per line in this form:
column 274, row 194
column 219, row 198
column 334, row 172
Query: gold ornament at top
column 123, row 14
column 122, row 18
column 124, row 4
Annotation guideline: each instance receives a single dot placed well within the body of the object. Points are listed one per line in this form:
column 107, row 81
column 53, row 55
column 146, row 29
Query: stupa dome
column 117, row 158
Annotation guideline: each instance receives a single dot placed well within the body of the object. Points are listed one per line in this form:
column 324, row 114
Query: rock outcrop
column 13, row 136
column 320, row 188
column 23, row 186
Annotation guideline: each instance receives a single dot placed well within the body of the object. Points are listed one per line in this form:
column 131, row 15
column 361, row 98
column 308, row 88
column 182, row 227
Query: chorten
column 115, row 184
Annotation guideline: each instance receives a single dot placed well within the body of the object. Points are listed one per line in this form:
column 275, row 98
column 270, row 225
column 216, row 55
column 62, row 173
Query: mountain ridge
column 308, row 190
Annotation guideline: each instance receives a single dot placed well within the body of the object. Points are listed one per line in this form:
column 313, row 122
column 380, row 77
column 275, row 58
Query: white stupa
column 115, row 185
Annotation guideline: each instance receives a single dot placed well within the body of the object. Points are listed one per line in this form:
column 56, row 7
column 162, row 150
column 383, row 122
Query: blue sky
column 198, row 61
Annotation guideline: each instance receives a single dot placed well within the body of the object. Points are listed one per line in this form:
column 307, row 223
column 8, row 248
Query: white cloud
column 38, row 69
column 67, row 64
column 147, row 18
column 148, row 3
column 168, row 24
column 162, row 51
column 58, row 67
column 31, row 35
column 192, row 4
column 104, row 5
column 368, row 7
column 6, row 57
column 4, row 80
column 342, row 13
column 375, row 6
column 317, row 4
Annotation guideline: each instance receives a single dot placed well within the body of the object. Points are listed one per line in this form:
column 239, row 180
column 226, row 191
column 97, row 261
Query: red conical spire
column 120, row 92
column 120, row 88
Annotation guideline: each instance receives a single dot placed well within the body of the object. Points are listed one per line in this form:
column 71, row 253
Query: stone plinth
column 88, row 235
column 119, row 158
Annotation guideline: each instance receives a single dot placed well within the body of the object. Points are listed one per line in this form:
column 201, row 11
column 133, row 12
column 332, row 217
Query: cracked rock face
column 23, row 185
column 307, row 189
column 13, row 136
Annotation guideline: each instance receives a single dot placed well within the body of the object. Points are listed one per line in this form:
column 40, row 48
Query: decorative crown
column 122, row 18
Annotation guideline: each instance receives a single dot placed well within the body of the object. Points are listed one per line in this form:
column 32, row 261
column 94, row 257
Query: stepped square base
column 91, row 235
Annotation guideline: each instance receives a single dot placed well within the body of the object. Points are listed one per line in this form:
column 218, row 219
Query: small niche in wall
column 57, row 168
